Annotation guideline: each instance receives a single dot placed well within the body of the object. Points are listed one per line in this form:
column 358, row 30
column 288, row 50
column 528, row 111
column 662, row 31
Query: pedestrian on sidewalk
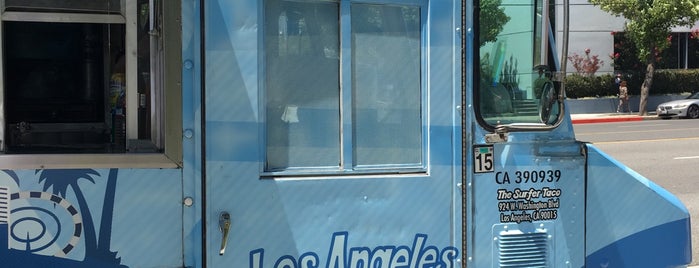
column 623, row 98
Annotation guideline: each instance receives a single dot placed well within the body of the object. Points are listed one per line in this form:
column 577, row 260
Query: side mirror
column 547, row 103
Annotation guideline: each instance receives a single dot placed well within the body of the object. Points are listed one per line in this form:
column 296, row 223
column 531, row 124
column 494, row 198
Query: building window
column 334, row 99
column 84, row 77
column 673, row 57
column 681, row 53
column 693, row 50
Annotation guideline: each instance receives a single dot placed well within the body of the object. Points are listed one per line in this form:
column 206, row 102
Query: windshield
column 517, row 63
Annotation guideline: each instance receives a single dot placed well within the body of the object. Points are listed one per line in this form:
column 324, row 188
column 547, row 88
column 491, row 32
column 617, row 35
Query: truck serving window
column 92, row 6
column 516, row 81
column 343, row 86
column 81, row 77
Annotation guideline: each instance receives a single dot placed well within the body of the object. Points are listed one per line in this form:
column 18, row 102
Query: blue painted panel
column 296, row 221
column 91, row 218
column 666, row 245
column 535, row 193
column 631, row 221
column 191, row 124
column 294, row 217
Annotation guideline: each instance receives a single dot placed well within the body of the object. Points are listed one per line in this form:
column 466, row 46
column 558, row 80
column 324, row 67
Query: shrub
column 664, row 82
column 675, row 81
column 580, row 86
column 585, row 65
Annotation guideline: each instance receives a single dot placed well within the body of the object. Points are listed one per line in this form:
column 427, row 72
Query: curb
column 607, row 119
column 610, row 117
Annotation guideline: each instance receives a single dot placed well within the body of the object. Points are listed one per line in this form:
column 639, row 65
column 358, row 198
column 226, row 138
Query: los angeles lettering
column 419, row 255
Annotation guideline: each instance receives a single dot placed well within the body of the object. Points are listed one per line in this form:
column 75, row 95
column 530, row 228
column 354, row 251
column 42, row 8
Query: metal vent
column 517, row 249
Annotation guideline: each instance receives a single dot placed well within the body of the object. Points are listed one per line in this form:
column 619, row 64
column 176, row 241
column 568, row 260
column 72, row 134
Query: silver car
column 688, row 107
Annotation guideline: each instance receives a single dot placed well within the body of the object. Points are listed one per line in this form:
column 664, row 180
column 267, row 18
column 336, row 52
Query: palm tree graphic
column 59, row 180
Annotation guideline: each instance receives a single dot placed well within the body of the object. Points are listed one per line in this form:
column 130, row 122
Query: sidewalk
column 610, row 117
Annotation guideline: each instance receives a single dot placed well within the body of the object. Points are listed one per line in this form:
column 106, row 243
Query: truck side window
column 55, row 87
column 83, row 77
column 517, row 63
column 334, row 97
column 102, row 6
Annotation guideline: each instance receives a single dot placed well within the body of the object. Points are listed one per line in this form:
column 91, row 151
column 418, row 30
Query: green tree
column 648, row 24
column 492, row 20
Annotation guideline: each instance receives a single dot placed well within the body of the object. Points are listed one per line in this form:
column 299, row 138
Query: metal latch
column 224, row 224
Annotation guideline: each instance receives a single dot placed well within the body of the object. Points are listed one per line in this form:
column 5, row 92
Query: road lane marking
column 653, row 140
column 637, row 131
column 647, row 125
column 686, row 157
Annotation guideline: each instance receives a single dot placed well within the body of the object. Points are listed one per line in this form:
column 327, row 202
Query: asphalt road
column 664, row 151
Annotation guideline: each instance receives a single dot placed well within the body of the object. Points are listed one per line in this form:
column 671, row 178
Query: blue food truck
column 308, row 134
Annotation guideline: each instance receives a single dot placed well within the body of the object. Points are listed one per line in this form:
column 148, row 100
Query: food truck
column 308, row 134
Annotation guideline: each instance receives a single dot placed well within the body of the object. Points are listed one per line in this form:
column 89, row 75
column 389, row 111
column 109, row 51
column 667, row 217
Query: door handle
column 224, row 224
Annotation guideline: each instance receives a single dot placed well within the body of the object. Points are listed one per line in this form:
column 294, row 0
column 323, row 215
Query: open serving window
column 85, row 77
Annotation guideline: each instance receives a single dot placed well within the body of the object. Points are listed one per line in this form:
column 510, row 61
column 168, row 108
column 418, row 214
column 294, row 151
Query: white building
column 591, row 27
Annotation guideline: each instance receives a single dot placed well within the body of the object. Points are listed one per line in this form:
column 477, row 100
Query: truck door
column 326, row 144
column 528, row 187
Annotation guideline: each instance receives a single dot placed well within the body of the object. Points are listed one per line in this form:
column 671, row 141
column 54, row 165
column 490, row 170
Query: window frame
column 168, row 102
column 540, row 52
column 347, row 164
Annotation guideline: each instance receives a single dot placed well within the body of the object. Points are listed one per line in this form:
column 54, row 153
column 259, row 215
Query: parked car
column 686, row 108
